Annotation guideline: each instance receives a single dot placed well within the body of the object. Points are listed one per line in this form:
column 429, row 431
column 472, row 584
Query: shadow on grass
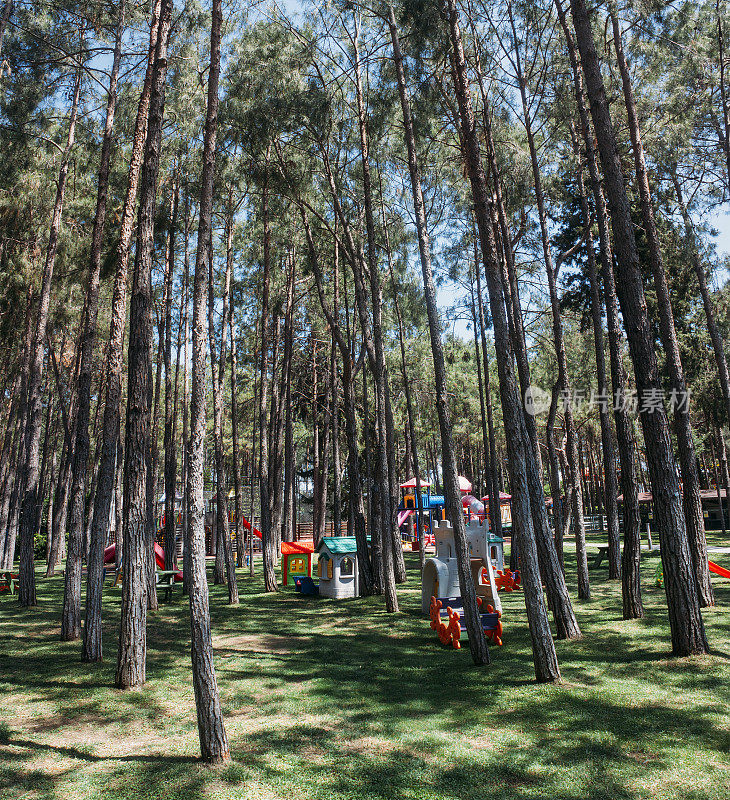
column 330, row 699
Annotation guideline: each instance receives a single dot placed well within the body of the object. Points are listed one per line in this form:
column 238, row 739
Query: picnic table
column 602, row 554
column 165, row 579
column 9, row 582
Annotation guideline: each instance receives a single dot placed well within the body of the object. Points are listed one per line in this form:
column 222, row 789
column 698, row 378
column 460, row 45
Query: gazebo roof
column 411, row 483
column 502, row 496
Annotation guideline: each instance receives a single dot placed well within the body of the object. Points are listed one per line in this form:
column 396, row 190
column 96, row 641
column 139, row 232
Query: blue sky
column 451, row 294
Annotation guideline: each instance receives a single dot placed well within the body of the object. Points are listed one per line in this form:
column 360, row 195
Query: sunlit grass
column 331, row 699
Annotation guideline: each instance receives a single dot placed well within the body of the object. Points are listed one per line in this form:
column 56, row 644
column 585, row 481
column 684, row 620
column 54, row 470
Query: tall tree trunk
column 187, row 564
column 211, row 730
column 549, row 561
column 13, row 475
column 254, row 451
column 365, row 570
column 409, row 402
column 477, row 640
column 71, row 614
column 631, row 559
column 278, row 413
column 335, row 417
column 543, row 648
column 30, row 467
column 110, row 462
column 609, row 458
column 267, row 534
column 377, row 356
column 688, row 633
column 495, row 506
column 131, row 659
column 584, row 591
column 170, row 393
column 554, row 461
column 237, row 487
column 691, row 499
column 217, row 370
column 153, row 464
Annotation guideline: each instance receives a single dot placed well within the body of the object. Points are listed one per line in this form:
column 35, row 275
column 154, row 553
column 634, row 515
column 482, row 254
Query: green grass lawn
column 331, row 699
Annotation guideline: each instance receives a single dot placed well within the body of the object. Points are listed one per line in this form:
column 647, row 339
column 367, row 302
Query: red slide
column 111, row 551
column 247, row 525
column 718, row 570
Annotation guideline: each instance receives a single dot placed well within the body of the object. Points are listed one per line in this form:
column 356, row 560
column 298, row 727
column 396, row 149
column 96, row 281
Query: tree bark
column 377, row 355
column 71, row 614
column 584, row 591
column 211, row 730
column 217, row 370
column 170, row 393
column 691, row 499
column 609, row 458
column 111, row 447
column 688, row 634
column 631, row 560
column 267, row 534
column 543, row 648
column 237, row 487
column 477, row 640
column 30, row 467
column 131, row 659
column 365, row 571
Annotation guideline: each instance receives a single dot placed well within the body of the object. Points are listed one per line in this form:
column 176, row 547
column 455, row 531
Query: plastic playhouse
column 337, row 567
column 296, row 561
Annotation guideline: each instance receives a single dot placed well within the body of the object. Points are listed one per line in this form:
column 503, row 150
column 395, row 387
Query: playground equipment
column 296, row 561
column 505, row 508
column 718, row 570
column 305, row 585
column 111, row 552
column 713, row 567
column 507, row 581
column 473, row 508
column 440, row 573
column 432, row 507
column 450, row 631
column 337, row 567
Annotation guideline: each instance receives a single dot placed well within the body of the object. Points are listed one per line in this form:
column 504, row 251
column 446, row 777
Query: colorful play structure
column 449, row 631
column 296, row 561
column 432, row 507
column 716, row 569
column 111, row 552
column 433, row 510
column 337, row 567
column 441, row 575
column 441, row 590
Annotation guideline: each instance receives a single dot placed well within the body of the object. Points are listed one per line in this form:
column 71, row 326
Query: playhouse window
column 347, row 566
column 297, row 564
column 324, row 566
